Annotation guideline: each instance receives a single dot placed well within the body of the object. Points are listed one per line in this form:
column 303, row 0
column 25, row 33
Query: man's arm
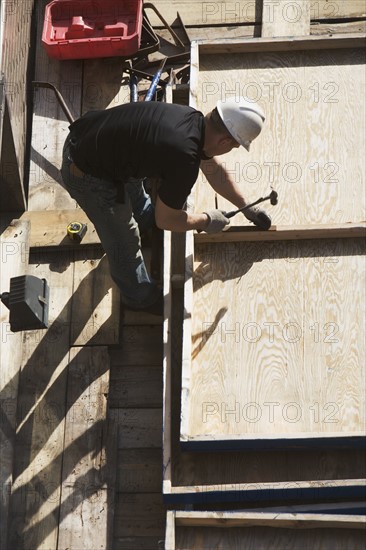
column 222, row 182
column 178, row 220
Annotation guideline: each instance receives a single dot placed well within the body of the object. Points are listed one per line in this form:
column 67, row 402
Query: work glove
column 217, row 221
column 258, row 216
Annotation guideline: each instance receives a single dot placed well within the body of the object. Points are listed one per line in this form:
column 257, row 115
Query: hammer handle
column 234, row 212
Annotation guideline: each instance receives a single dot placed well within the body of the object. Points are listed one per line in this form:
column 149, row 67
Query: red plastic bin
column 84, row 29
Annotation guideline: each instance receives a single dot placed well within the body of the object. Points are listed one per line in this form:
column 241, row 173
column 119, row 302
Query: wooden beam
column 13, row 262
column 252, row 530
column 39, row 444
column 351, row 40
column 245, row 11
column 285, row 233
column 283, row 18
column 251, row 519
column 48, row 228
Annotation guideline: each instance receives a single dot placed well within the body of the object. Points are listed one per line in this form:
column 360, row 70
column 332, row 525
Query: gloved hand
column 258, row 216
column 217, row 221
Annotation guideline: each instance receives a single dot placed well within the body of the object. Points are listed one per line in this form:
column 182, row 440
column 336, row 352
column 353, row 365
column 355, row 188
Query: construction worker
column 107, row 155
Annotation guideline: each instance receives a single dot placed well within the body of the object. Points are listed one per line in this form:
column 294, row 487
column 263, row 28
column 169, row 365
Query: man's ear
column 225, row 140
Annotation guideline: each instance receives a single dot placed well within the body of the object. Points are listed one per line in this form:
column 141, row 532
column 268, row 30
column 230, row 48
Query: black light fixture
column 27, row 301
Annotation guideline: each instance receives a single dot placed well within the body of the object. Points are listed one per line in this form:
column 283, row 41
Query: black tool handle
column 234, row 212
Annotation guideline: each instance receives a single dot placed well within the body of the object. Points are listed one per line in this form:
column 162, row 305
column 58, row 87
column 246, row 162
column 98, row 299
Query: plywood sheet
column 277, row 348
column 305, row 151
column 249, row 477
column 205, row 530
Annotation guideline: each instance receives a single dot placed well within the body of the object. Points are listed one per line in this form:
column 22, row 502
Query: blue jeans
column 118, row 227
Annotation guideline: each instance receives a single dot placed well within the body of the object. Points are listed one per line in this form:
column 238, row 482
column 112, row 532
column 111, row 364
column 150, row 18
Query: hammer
column 260, row 219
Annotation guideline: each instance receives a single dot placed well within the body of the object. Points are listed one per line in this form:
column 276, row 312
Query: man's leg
column 118, row 232
column 142, row 208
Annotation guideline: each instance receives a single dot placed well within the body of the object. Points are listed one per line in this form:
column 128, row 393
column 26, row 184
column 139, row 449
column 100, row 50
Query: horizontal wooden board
column 140, row 515
column 139, row 471
column 281, row 336
column 139, row 345
column 139, row 543
column 284, row 233
column 248, row 11
column 136, row 387
column 206, row 530
column 48, row 228
column 138, row 428
column 281, row 44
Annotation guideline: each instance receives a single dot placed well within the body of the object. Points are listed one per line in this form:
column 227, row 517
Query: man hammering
column 108, row 154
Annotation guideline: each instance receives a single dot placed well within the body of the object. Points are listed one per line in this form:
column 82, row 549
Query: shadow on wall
column 52, row 411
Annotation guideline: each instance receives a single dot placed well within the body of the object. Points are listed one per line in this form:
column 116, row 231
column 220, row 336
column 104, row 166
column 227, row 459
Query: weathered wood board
column 14, row 252
column 39, row 443
column 250, row 11
column 87, row 468
column 233, row 531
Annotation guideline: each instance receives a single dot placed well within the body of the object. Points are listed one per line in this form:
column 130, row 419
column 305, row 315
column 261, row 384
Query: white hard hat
column 243, row 118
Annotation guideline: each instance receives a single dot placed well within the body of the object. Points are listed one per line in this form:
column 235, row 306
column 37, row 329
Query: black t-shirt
column 145, row 139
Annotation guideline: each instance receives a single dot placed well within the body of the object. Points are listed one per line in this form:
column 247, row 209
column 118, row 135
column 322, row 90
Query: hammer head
column 273, row 197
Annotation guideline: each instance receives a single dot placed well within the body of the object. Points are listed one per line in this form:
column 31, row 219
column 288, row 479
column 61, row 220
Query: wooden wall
column 16, row 58
column 61, row 456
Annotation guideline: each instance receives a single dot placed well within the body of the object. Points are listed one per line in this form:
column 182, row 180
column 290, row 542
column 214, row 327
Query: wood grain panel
column 305, row 96
column 206, row 538
column 272, row 351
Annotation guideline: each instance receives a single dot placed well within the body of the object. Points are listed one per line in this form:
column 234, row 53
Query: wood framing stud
column 285, row 233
